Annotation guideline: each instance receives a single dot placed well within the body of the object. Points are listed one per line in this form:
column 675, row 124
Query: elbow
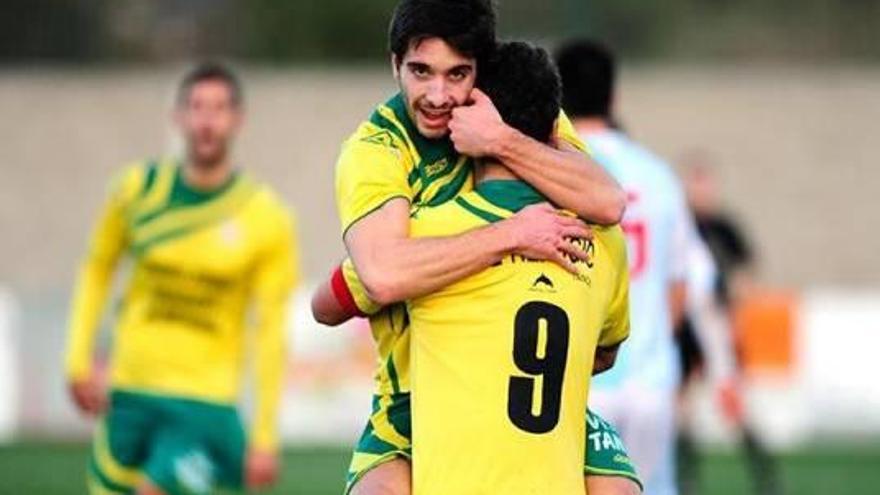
column 381, row 291
column 606, row 211
column 611, row 211
column 382, row 286
column 326, row 311
column 616, row 208
column 324, row 317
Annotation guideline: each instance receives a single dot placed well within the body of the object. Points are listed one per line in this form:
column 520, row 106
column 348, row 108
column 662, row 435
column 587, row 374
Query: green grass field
column 50, row 469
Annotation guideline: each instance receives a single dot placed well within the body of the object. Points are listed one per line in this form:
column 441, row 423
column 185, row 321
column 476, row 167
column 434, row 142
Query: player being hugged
column 501, row 360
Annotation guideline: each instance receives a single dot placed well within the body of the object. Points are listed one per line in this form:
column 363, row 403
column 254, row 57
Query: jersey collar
column 511, row 195
column 430, row 149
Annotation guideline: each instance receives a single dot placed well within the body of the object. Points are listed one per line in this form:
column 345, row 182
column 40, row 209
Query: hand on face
column 476, row 128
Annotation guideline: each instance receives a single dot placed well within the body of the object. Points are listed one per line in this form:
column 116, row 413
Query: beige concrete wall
column 797, row 148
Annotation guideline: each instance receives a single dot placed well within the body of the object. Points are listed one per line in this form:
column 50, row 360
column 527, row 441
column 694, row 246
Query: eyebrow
column 422, row 65
column 461, row 67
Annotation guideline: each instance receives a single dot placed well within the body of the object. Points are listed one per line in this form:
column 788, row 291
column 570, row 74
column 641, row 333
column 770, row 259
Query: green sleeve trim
column 370, row 212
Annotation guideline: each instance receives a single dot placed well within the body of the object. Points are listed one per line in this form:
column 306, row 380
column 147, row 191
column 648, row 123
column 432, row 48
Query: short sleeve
column 356, row 289
column 371, row 170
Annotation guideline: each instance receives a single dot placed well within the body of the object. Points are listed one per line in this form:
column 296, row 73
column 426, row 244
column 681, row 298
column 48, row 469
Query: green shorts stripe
column 605, row 452
column 388, row 435
column 182, row 445
column 105, row 481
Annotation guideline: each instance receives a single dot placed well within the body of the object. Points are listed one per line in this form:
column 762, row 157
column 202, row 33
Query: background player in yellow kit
column 207, row 244
column 501, row 360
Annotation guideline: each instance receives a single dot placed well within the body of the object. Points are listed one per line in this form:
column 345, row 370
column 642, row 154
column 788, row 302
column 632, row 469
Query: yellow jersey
column 201, row 261
column 501, row 361
column 387, row 158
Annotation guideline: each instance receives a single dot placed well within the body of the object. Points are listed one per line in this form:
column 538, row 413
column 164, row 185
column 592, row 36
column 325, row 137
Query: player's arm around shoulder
column 394, row 266
column 564, row 173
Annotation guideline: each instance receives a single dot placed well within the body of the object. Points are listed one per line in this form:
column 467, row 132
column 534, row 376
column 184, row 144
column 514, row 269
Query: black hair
column 522, row 82
column 588, row 72
column 466, row 25
column 210, row 71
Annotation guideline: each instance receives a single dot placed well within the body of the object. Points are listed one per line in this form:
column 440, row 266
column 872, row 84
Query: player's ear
column 395, row 66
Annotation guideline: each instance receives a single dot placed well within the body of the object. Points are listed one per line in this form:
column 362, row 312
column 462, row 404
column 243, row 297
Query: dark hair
column 588, row 72
column 522, row 82
column 210, row 71
column 466, row 25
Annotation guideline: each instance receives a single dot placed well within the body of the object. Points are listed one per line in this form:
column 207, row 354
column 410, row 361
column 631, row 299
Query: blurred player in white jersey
column 638, row 395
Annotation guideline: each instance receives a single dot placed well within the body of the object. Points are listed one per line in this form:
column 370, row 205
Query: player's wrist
column 501, row 144
column 505, row 239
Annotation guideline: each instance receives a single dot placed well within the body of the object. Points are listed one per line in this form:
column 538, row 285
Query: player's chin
column 433, row 129
column 209, row 155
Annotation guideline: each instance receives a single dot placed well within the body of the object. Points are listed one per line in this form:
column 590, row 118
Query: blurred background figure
column 208, row 246
column 638, row 394
column 707, row 328
column 719, row 229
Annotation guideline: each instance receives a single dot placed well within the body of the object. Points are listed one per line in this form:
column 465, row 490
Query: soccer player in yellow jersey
column 607, row 468
column 501, row 360
column 413, row 152
column 207, row 244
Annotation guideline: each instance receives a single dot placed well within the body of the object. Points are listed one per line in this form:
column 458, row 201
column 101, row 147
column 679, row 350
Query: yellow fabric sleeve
column 274, row 279
column 357, row 290
column 107, row 242
column 616, row 327
column 566, row 132
column 368, row 175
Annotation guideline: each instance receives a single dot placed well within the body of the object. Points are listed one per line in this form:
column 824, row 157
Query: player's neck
column 590, row 125
column 492, row 170
column 206, row 177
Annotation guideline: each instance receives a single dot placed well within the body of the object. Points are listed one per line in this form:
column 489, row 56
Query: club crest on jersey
column 382, row 138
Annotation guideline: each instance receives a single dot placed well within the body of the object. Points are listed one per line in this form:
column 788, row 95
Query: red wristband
column 343, row 293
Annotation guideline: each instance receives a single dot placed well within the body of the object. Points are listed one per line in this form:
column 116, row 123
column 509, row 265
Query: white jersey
column 658, row 228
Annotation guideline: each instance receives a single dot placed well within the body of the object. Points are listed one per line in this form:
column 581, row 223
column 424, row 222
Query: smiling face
column 434, row 79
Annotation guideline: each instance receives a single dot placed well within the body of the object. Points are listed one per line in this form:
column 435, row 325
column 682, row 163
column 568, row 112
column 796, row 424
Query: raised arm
column 564, row 173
